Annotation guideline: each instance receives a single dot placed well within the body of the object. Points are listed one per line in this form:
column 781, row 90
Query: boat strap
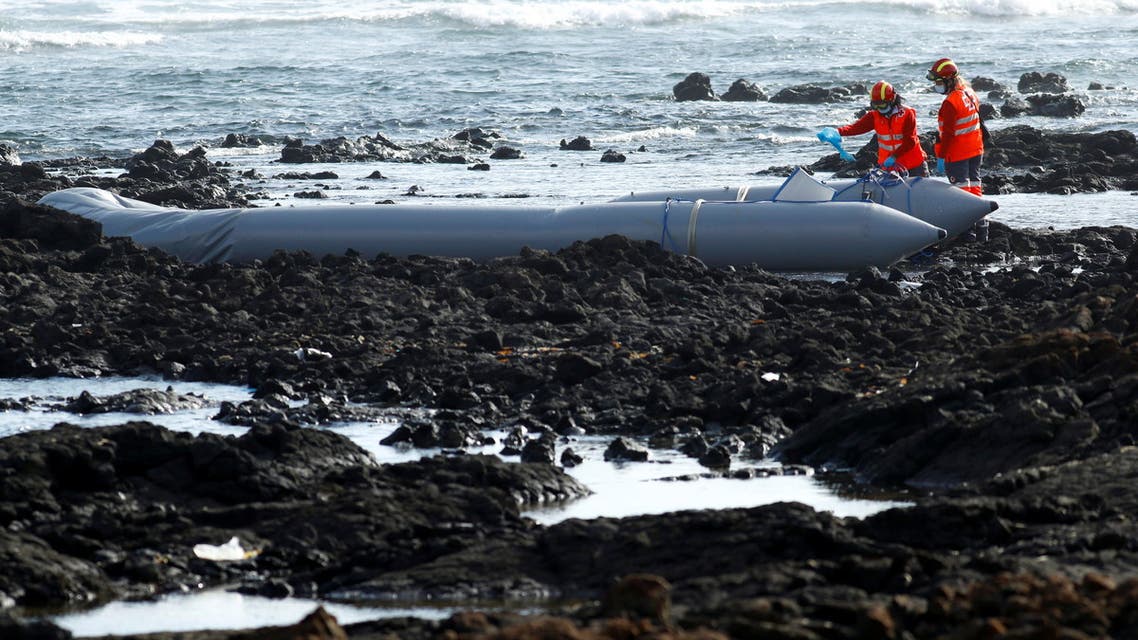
column 665, row 232
column 667, row 242
column 875, row 178
column 693, row 217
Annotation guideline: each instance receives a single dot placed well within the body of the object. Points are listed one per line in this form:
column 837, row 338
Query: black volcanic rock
column 696, row 86
column 994, row 393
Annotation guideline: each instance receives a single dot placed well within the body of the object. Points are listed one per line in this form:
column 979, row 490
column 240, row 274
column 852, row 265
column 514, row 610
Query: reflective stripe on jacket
column 896, row 135
column 959, row 124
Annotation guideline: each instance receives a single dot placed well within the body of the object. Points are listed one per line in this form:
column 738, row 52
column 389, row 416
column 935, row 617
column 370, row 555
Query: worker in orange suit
column 960, row 148
column 896, row 127
column 960, row 144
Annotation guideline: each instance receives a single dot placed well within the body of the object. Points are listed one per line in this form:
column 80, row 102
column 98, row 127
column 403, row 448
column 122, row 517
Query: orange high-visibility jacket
column 959, row 123
column 896, row 135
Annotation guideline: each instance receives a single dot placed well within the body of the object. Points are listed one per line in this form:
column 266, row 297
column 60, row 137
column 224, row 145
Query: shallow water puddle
column 669, row 481
column 50, row 392
column 221, row 610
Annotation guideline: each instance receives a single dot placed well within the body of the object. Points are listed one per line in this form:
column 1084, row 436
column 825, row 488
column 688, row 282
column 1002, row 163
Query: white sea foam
column 23, row 40
column 1012, row 8
column 542, row 15
column 526, row 14
column 519, row 14
column 655, row 133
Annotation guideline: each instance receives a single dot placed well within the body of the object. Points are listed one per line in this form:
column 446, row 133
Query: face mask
column 940, row 88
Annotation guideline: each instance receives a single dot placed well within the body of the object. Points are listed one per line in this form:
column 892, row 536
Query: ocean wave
column 523, row 14
column 583, row 13
column 1012, row 8
column 655, row 133
column 519, row 14
column 22, row 40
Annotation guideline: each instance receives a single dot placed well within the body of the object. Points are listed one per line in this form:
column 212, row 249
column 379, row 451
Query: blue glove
column 940, row 165
column 831, row 135
column 889, row 162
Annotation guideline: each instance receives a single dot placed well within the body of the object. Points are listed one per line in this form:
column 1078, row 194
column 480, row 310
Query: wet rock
column 478, row 138
column 275, row 387
column 142, row 401
column 816, row 94
column 33, row 171
column 240, row 141
column 362, row 149
column 743, row 91
column 1056, row 106
column 1014, row 106
column 117, row 467
column 540, row 450
column 488, row 340
column 401, row 434
column 567, row 426
column 580, row 143
column 515, row 441
column 696, row 86
column 1080, row 161
column 981, row 83
column 574, row 369
column 9, row 155
column 612, row 155
column 506, row 153
column 626, row 449
column 49, row 228
column 716, row 457
column 695, row 446
column 1036, row 82
column 570, row 458
column 13, row 627
column 306, row 175
column 639, row 596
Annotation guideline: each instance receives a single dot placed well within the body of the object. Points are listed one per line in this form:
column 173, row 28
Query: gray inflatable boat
column 934, row 201
column 801, row 228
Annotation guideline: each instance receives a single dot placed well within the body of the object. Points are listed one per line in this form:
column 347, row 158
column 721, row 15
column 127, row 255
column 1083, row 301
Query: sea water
column 95, row 77
column 105, row 77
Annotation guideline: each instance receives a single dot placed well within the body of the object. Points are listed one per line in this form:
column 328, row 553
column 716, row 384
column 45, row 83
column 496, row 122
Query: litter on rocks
column 231, row 550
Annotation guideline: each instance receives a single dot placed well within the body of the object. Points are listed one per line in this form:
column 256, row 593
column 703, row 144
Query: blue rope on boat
column 664, row 231
column 923, row 256
column 883, row 180
column 838, row 193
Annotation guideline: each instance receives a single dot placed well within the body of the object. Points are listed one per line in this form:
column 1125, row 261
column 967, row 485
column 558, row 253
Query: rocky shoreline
column 1003, row 400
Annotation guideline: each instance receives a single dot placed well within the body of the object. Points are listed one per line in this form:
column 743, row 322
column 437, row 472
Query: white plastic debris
column 308, row 354
column 770, row 376
column 231, row 550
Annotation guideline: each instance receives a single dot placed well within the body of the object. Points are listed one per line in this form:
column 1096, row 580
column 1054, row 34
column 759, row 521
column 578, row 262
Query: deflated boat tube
column 778, row 236
column 934, row 201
